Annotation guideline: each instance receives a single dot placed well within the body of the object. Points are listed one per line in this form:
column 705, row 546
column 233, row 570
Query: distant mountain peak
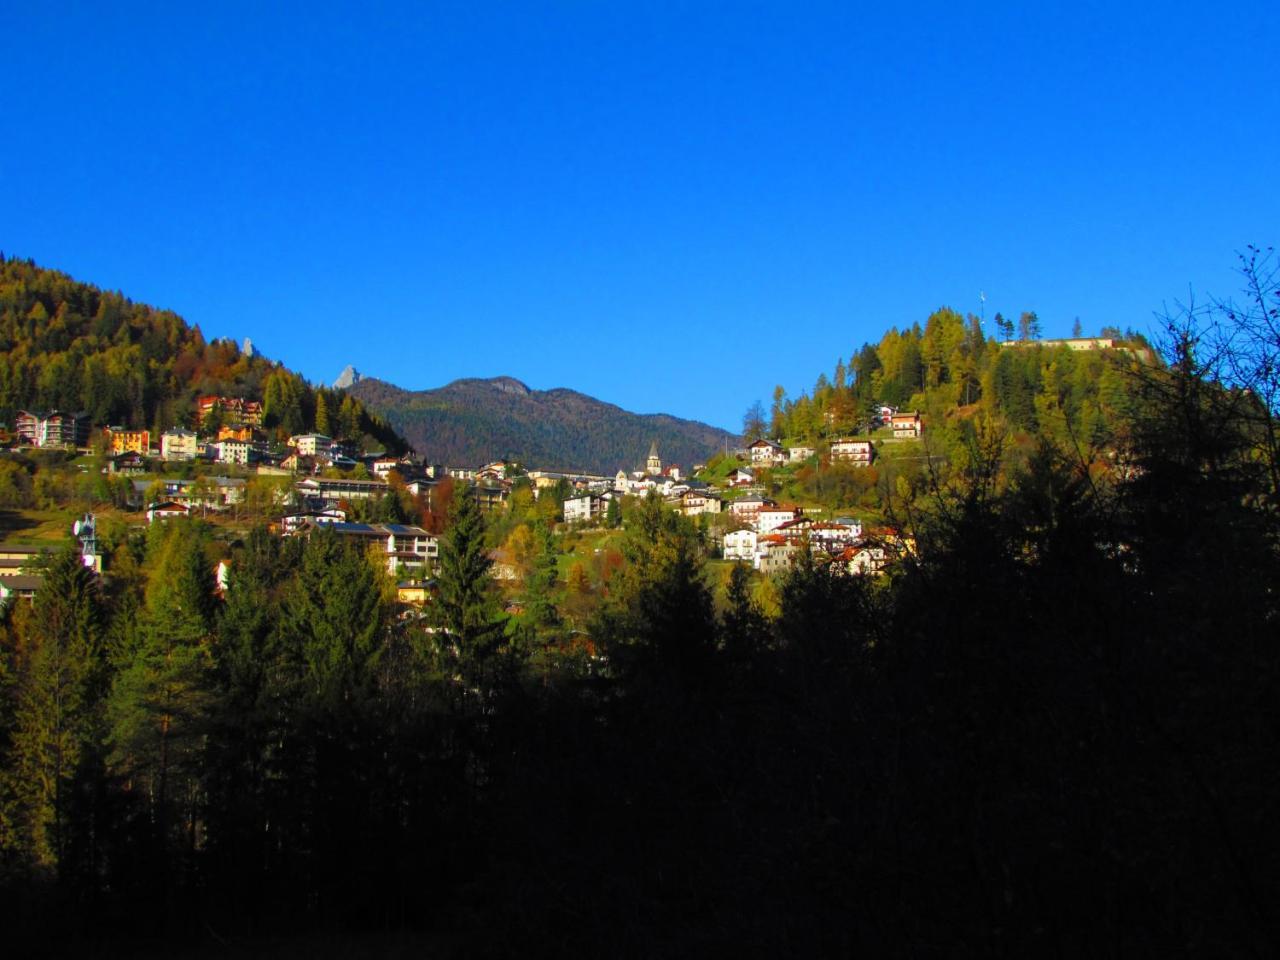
column 347, row 378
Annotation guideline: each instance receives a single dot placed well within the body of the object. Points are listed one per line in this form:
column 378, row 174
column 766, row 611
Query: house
column 291, row 523
column 128, row 464
column 310, row 444
column 235, row 409
column 22, row 557
column 906, row 425
column 232, row 451
column 120, row 440
column 22, row 586
column 413, row 592
column 491, row 498
column 860, row 453
column 770, row 518
column 406, row 549
column 57, row 428
column 748, row 508
column 864, row 559
column 740, row 545
column 739, row 477
column 775, row 554
column 166, row 510
column 179, row 444
column 797, row 454
column 834, row 534
column 766, row 452
column 333, row 490
column 693, row 503
column 585, row 509
column 240, row 431
column 502, row 565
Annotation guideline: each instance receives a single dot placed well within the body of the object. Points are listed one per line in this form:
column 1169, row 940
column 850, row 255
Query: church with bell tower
column 653, row 466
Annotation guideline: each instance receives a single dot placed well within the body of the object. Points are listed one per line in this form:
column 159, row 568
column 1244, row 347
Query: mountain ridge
column 476, row 419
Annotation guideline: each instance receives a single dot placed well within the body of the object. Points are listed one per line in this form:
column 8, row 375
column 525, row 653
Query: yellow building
column 128, row 441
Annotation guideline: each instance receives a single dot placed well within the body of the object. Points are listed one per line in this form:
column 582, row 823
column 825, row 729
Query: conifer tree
column 465, row 605
column 56, row 724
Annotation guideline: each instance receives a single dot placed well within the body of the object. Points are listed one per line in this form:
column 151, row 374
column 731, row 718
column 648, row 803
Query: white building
column 858, row 452
column 179, row 444
column 233, row 451
column 585, row 509
column 796, row 454
column 770, row 518
column 766, row 452
column 741, row 545
column 309, row 444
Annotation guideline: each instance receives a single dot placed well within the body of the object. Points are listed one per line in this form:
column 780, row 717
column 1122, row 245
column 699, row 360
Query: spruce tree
column 465, row 607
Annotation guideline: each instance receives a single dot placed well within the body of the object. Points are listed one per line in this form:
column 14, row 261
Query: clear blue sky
column 669, row 206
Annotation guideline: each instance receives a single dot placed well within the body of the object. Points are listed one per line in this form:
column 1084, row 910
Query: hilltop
column 473, row 420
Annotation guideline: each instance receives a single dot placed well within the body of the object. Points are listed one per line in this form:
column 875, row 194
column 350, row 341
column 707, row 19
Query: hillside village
column 315, row 481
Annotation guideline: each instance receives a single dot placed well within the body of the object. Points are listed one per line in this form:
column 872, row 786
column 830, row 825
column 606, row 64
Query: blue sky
column 670, row 206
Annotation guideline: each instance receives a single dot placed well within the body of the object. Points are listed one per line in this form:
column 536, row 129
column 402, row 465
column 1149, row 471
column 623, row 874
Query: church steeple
column 653, row 466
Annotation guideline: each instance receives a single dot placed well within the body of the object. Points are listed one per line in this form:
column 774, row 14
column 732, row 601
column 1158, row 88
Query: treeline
column 949, row 367
column 71, row 346
column 1051, row 730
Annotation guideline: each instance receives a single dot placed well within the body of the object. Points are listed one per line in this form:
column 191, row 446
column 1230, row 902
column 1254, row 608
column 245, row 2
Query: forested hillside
column 72, row 346
column 471, row 421
column 949, row 369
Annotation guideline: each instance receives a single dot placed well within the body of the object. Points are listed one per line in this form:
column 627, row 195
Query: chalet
column 906, row 425
column 235, row 409
column 797, row 454
column 119, row 440
column 860, row 453
column 166, row 510
column 766, row 452
column 738, row 477
column 179, row 444
column 693, row 503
